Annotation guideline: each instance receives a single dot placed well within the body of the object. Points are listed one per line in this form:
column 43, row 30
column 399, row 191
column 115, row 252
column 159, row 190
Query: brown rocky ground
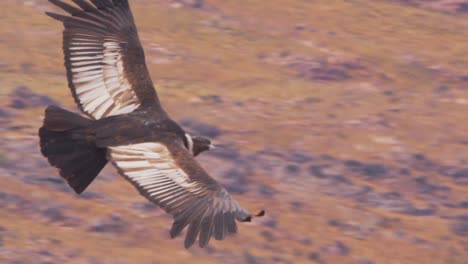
column 345, row 120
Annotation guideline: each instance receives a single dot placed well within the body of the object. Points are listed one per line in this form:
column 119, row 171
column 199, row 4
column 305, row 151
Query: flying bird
column 127, row 125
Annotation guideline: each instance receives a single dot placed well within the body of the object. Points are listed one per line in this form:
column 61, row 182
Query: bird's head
column 197, row 145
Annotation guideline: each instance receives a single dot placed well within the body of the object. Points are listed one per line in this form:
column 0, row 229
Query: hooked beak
column 211, row 146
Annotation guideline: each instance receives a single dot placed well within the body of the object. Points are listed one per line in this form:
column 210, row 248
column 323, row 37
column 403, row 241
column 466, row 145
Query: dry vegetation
column 345, row 120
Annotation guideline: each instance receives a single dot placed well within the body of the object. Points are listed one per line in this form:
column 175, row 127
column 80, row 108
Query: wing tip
column 188, row 245
column 173, row 233
column 190, row 241
column 261, row 213
column 56, row 16
column 249, row 217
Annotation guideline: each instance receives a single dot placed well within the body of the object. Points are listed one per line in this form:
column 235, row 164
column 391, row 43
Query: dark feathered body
column 135, row 127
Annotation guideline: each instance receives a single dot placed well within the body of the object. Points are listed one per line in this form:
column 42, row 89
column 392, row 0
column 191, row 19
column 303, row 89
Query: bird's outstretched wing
column 104, row 59
column 167, row 174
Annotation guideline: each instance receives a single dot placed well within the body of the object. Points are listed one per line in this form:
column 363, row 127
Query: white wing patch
column 190, row 143
column 98, row 77
column 206, row 210
column 152, row 168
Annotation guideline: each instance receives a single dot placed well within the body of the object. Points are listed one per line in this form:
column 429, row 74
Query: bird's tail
column 63, row 141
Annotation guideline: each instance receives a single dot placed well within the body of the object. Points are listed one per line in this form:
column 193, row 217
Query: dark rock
column 461, row 177
column 311, row 100
column 4, row 160
column 22, row 97
column 419, row 156
column 338, row 248
column 292, row 169
column 404, row 171
column 389, row 93
column 112, row 224
column 296, row 205
column 365, row 261
column 427, row 188
column 340, row 179
column 4, row 113
column 94, row 260
column 193, row 3
column 395, row 202
column 299, row 27
column 342, row 248
column 2, row 231
column 236, row 175
column 89, row 195
column 278, row 259
column 267, row 191
column 462, row 7
column 381, row 200
column 299, row 156
column 363, row 190
column 267, row 235
column 27, row 67
column 284, row 53
column 460, row 226
column 326, row 74
column 237, row 181
column 374, row 170
column 215, row 99
column 331, row 74
column 419, row 211
column 17, row 128
column 55, row 183
column 316, row 170
column 421, row 162
column 314, row 256
column 145, row 206
column 353, row 164
column 14, row 201
column 51, row 181
column 45, row 253
column 327, row 157
column 200, row 128
column 419, row 241
column 229, row 152
column 270, row 222
column 334, row 222
column 314, row 70
column 54, row 214
column 442, row 89
column 251, row 259
column 356, row 230
column 463, row 77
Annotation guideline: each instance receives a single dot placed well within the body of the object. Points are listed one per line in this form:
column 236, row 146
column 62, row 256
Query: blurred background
column 345, row 120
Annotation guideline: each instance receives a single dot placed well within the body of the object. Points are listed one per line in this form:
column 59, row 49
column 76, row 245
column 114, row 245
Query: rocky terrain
column 345, row 120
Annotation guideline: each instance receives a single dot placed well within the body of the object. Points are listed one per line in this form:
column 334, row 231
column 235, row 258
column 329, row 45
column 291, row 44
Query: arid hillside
column 347, row 121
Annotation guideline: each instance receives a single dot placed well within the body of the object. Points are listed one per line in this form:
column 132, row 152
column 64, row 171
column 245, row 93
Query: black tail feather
column 58, row 119
column 64, row 144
